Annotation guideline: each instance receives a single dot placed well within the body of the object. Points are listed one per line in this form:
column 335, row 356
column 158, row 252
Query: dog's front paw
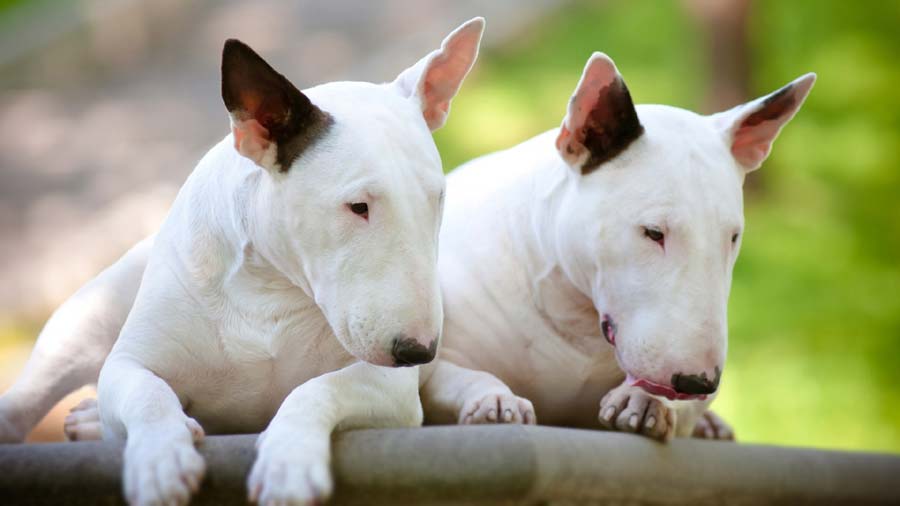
column 631, row 409
column 711, row 426
column 497, row 407
column 290, row 471
column 162, row 466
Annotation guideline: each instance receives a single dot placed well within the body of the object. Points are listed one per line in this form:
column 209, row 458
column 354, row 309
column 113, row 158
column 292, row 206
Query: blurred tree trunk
column 725, row 25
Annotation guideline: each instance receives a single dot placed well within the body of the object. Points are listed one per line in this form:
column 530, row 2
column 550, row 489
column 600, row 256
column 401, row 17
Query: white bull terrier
column 592, row 264
column 298, row 258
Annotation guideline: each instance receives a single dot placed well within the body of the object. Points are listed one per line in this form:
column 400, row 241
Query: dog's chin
column 382, row 362
column 658, row 389
column 374, row 357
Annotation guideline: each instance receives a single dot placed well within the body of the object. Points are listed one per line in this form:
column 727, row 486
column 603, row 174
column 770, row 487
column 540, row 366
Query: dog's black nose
column 408, row 352
column 695, row 384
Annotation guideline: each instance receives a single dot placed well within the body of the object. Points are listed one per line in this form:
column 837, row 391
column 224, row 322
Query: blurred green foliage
column 6, row 5
column 814, row 354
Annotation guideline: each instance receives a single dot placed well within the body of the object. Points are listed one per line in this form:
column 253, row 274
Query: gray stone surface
column 491, row 465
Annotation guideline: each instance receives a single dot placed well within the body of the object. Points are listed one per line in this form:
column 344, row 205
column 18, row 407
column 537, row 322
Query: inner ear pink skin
column 436, row 78
column 752, row 142
column 251, row 139
column 447, row 69
column 666, row 391
column 756, row 125
column 599, row 73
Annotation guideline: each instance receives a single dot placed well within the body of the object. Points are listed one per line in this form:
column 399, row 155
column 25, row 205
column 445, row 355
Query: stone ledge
column 490, row 465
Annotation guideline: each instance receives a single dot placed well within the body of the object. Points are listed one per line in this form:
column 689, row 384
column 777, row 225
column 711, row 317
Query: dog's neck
column 558, row 295
column 273, row 257
column 230, row 253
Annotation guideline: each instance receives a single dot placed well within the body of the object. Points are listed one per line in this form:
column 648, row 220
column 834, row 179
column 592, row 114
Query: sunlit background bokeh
column 89, row 166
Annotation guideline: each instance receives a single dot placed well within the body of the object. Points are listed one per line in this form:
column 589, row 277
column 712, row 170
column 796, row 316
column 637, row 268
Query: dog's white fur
column 533, row 253
column 525, row 241
column 265, row 302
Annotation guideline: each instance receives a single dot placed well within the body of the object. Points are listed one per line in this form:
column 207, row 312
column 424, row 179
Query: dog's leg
column 73, row 344
column 293, row 454
column 454, row 394
column 161, row 464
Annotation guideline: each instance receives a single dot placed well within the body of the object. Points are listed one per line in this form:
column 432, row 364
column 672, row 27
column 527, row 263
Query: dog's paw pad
column 712, row 426
column 630, row 409
column 498, row 408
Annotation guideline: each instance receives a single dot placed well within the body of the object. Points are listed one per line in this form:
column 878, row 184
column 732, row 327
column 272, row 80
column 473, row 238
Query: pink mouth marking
column 608, row 327
column 666, row 391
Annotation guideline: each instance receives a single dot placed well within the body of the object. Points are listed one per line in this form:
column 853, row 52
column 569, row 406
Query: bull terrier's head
column 353, row 191
column 653, row 220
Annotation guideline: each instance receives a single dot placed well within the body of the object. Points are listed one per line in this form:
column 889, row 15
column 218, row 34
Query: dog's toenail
column 651, row 422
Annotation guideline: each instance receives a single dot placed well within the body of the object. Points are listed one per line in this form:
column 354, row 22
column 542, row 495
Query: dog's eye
column 655, row 235
column 360, row 209
column 734, row 238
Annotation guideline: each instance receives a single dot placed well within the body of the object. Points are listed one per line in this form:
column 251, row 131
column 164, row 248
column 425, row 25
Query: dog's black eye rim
column 734, row 238
column 359, row 209
column 654, row 234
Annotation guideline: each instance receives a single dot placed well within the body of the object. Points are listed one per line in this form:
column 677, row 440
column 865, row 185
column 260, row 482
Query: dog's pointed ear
column 751, row 128
column 601, row 120
column 271, row 120
column 436, row 78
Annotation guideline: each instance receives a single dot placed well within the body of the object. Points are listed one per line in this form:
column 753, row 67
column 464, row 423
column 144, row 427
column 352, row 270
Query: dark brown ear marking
column 611, row 126
column 773, row 107
column 251, row 89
